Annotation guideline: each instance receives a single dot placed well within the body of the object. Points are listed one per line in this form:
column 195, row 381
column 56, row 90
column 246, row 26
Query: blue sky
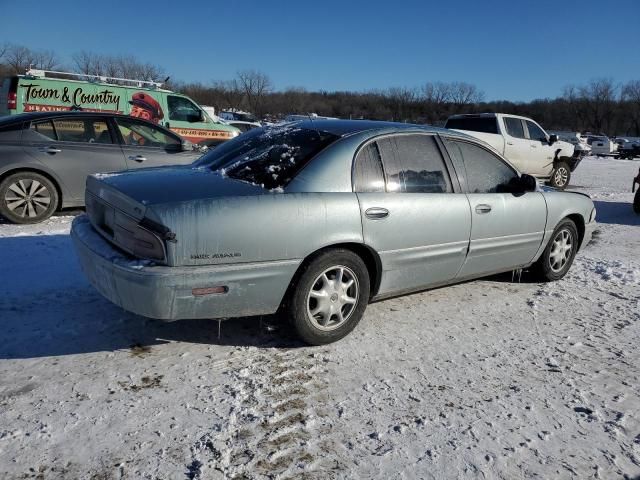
column 514, row 50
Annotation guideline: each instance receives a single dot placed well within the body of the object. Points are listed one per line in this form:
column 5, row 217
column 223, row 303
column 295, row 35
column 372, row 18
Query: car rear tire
column 560, row 176
column 555, row 261
column 329, row 297
column 27, row 197
column 636, row 202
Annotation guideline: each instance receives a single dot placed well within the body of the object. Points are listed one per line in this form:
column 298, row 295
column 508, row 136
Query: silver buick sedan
column 316, row 219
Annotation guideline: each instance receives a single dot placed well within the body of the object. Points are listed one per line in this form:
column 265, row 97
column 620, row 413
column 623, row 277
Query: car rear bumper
column 167, row 292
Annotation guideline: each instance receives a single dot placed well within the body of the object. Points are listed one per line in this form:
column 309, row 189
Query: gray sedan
column 45, row 157
column 316, row 219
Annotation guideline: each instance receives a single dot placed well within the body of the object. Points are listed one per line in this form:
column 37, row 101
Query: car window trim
column 495, row 154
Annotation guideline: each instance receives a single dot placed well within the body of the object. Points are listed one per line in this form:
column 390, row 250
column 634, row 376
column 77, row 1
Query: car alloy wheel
column 328, row 296
column 27, row 198
column 561, row 250
column 560, row 177
column 332, row 298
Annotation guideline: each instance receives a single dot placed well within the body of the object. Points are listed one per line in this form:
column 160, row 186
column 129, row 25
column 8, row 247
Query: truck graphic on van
column 37, row 91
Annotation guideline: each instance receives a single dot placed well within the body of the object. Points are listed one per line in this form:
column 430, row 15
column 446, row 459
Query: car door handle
column 376, row 213
column 137, row 158
column 51, row 150
column 483, row 208
column 534, row 146
column 509, row 143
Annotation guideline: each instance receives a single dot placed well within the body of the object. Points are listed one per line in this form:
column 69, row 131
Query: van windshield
column 269, row 157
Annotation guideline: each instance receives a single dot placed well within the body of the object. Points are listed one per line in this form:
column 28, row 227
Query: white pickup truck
column 524, row 143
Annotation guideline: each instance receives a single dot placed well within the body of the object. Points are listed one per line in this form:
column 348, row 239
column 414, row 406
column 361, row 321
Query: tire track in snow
column 278, row 425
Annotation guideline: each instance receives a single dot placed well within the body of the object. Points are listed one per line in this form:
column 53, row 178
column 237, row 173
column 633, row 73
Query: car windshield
column 269, row 157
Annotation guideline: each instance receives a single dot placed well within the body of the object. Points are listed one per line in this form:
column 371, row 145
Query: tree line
column 599, row 106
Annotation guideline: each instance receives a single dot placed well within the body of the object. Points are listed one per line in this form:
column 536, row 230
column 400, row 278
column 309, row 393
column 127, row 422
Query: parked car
column 582, row 148
column 316, row 219
column 243, row 126
column 38, row 91
column 237, row 115
column 524, row 143
column 45, row 157
column 628, row 149
column 602, row 146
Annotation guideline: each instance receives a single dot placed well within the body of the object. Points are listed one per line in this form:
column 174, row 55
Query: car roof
column 348, row 127
column 30, row 116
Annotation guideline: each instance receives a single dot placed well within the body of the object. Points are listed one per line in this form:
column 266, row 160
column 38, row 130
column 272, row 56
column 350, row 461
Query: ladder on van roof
column 95, row 78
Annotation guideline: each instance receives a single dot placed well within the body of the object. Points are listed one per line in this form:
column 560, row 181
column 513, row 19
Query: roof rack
column 95, row 78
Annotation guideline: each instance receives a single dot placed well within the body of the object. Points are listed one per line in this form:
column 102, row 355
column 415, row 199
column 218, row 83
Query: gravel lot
column 487, row 379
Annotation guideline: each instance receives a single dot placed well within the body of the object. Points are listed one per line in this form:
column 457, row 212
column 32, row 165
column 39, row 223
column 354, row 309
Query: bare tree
column 255, row 86
column 401, row 100
column 436, row 98
column 20, row 58
column 599, row 97
column 464, row 94
column 631, row 97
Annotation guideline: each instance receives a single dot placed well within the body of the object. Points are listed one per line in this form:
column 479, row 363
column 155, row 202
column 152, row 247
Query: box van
column 37, row 92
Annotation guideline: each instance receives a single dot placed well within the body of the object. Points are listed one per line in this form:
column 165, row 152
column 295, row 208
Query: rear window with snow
column 269, row 157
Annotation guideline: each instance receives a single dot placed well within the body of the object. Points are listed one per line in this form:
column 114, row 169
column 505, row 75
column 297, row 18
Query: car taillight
column 12, row 100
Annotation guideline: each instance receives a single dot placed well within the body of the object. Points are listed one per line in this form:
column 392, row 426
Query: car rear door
column 148, row 145
column 517, row 146
column 507, row 228
column 412, row 212
column 74, row 147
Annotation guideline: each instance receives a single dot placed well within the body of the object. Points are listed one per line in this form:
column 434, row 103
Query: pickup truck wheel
column 555, row 261
column 27, row 197
column 330, row 297
column 561, row 175
column 636, row 202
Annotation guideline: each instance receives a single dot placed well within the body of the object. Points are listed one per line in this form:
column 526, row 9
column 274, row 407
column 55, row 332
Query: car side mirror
column 186, row 146
column 553, row 138
column 528, row 183
column 203, row 117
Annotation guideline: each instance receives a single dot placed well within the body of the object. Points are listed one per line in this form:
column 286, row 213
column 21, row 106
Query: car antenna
column 314, row 126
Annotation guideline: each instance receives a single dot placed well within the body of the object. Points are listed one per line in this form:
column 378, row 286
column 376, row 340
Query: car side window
column 145, row 135
column 43, row 131
column 368, row 176
column 514, row 127
column 535, row 132
column 82, row 130
column 483, row 171
column 182, row 109
column 414, row 164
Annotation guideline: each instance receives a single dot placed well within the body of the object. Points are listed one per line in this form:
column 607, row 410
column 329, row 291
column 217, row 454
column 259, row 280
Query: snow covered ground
column 487, row 379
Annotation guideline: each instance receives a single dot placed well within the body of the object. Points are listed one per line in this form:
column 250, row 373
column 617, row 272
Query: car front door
column 147, row 145
column 412, row 213
column 74, row 147
column 507, row 228
column 541, row 161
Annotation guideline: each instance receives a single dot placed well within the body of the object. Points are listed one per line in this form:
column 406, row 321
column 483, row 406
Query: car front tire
column 561, row 175
column 27, row 197
column 555, row 261
column 330, row 297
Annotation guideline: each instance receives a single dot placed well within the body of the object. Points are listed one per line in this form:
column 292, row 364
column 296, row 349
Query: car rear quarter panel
column 260, row 228
column 561, row 205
